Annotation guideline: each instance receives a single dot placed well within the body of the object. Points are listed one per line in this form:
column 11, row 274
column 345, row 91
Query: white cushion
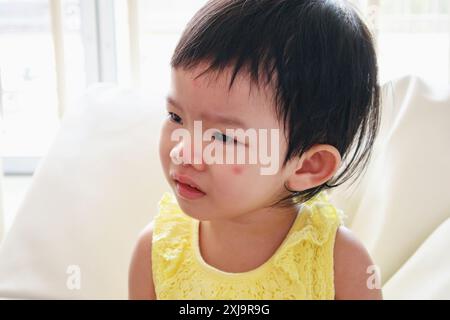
column 2, row 223
column 426, row 273
column 404, row 195
column 95, row 190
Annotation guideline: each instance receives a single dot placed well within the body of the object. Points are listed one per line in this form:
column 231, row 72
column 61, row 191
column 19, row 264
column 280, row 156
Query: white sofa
column 401, row 208
column 2, row 223
column 100, row 183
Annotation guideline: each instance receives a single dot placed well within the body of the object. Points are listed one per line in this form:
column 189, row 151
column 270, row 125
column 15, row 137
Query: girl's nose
column 184, row 153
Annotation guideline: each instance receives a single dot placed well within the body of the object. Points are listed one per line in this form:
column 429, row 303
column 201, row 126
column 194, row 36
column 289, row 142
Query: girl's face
column 229, row 190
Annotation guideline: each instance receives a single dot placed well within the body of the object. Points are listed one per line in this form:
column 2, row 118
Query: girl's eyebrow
column 172, row 102
column 214, row 118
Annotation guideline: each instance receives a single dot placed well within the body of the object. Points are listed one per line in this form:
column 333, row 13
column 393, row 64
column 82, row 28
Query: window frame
column 99, row 39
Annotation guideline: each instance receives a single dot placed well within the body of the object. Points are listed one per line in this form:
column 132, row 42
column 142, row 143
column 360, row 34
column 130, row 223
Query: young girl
column 305, row 69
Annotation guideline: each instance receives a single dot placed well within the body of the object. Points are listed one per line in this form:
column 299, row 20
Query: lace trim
column 302, row 267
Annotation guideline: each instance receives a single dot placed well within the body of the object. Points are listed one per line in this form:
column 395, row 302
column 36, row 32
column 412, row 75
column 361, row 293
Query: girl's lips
column 186, row 180
column 186, row 191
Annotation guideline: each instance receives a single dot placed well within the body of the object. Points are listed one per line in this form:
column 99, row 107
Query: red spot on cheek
column 237, row 170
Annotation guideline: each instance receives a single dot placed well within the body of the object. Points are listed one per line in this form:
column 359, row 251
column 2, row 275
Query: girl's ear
column 315, row 167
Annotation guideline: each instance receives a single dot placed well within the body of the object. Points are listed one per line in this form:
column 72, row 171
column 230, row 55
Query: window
column 161, row 25
column 413, row 37
column 28, row 95
column 30, row 76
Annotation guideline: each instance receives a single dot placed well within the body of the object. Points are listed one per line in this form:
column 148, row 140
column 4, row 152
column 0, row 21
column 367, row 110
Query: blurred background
column 51, row 50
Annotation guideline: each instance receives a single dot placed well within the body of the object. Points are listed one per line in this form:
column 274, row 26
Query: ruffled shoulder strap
column 170, row 219
column 318, row 221
column 168, row 205
column 172, row 233
column 307, row 256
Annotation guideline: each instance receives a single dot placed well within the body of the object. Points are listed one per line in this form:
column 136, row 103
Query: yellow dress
column 301, row 268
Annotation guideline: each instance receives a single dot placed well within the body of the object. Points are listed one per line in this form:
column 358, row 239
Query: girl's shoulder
column 140, row 275
column 355, row 274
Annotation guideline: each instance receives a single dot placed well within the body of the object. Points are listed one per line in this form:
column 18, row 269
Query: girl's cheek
column 237, row 170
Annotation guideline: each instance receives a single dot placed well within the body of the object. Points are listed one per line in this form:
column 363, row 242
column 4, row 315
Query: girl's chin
column 196, row 210
column 195, row 214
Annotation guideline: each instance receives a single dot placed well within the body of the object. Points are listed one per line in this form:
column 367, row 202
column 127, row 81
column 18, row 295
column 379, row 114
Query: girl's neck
column 262, row 222
column 245, row 243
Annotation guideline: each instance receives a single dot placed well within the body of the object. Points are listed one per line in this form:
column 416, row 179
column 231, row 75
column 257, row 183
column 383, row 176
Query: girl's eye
column 175, row 118
column 224, row 138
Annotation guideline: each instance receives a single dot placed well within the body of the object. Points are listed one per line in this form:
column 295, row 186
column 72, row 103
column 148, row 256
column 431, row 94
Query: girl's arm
column 353, row 269
column 140, row 279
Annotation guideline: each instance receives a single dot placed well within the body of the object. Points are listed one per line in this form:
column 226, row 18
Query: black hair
column 319, row 57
